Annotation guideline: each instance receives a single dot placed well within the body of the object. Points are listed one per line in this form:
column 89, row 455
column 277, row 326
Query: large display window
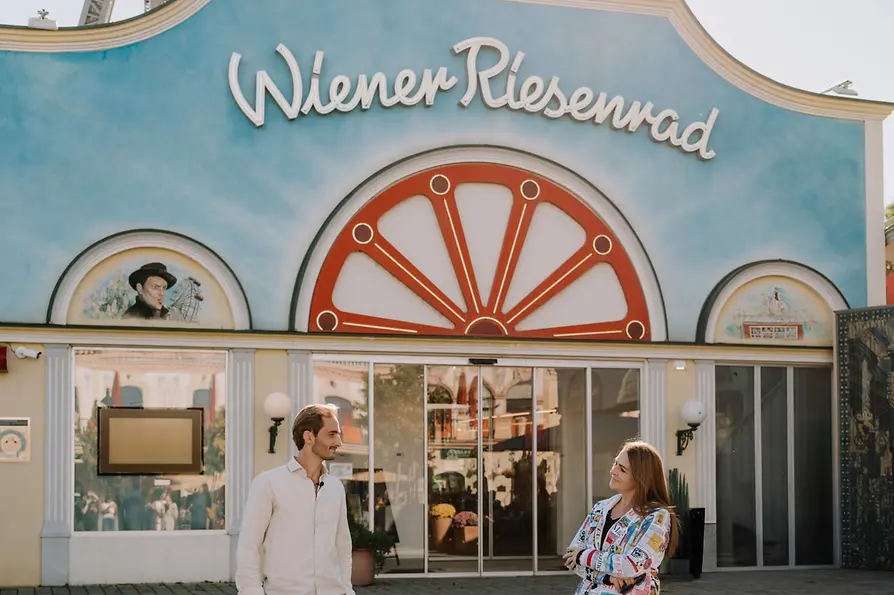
column 109, row 378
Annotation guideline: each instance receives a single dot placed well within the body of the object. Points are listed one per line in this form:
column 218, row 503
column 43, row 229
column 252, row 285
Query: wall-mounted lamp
column 277, row 406
column 680, row 365
column 693, row 415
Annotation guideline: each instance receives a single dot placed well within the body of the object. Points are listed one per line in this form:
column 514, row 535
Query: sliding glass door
column 477, row 469
column 774, row 474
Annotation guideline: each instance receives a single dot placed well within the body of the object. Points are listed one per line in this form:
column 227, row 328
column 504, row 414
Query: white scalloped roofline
column 732, row 70
column 101, row 37
column 74, row 39
column 822, row 286
column 597, row 201
column 98, row 253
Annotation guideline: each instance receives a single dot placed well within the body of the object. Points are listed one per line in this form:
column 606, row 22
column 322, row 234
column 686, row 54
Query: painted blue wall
column 148, row 136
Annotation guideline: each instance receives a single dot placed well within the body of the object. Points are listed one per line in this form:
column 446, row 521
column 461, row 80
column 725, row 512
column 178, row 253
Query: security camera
column 23, row 352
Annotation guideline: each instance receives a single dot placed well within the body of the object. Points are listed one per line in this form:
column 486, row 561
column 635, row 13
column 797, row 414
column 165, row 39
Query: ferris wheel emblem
column 187, row 302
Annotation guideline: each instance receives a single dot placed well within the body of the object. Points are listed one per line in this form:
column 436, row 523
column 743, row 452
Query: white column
column 705, row 438
column 875, row 204
column 240, row 441
column 59, row 467
column 653, row 404
column 301, row 389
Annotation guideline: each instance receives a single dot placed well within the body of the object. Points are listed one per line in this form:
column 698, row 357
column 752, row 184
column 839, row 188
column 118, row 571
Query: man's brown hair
column 311, row 418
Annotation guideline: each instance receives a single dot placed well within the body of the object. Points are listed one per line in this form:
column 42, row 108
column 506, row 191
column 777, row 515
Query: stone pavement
column 801, row 582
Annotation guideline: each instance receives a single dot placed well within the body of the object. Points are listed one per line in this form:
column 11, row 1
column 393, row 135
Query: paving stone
column 801, row 582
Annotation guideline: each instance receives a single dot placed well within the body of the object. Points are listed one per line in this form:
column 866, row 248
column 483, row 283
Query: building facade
column 502, row 238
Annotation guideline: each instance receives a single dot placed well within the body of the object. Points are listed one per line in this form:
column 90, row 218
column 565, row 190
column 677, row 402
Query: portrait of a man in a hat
column 151, row 282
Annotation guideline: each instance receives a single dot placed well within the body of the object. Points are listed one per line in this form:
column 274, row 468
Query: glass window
column 399, row 426
column 561, row 430
column 735, row 476
column 807, row 408
column 454, row 464
column 145, row 378
column 346, row 385
column 615, row 411
column 774, row 465
column 814, row 527
column 511, row 475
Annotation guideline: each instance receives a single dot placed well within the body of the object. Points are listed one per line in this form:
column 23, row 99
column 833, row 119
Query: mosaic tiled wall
column 866, row 418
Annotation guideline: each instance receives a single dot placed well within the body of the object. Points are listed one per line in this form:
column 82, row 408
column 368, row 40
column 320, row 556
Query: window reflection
column 152, row 379
column 615, row 411
column 398, row 399
column 561, row 462
column 735, row 476
column 344, row 384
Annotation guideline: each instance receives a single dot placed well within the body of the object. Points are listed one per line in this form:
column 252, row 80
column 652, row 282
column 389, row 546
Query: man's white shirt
column 303, row 534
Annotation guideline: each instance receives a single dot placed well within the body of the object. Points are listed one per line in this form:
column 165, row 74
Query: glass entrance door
column 481, row 466
column 454, row 483
column 477, row 470
column 508, row 469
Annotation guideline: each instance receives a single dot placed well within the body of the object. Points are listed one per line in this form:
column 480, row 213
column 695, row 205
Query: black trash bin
column 696, row 539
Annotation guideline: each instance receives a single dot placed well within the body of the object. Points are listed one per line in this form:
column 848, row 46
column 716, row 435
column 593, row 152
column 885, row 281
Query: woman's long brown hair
column 651, row 490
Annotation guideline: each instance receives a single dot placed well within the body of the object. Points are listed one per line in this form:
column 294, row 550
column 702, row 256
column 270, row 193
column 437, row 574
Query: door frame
column 536, row 365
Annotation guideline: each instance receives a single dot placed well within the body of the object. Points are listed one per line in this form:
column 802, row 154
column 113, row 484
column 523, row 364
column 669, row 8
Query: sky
column 808, row 44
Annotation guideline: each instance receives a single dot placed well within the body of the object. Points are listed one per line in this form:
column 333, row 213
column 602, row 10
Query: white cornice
column 103, row 37
column 434, row 348
column 735, row 72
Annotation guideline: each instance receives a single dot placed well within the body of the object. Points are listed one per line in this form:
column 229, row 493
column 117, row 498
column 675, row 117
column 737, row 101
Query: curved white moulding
column 824, row 288
column 98, row 253
column 600, row 204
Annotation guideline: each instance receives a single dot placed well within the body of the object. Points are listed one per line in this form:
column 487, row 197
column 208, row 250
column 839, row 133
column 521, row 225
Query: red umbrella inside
column 473, row 399
column 212, row 402
column 462, row 394
column 116, row 391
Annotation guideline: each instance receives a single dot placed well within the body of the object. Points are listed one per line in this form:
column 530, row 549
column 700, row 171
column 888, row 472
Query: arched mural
column 482, row 248
column 149, row 279
column 772, row 303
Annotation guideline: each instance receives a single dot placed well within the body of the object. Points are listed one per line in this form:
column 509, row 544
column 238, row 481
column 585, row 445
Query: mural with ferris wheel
column 150, row 287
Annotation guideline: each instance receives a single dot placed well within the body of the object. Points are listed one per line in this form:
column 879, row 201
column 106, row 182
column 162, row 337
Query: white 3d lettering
column 532, row 95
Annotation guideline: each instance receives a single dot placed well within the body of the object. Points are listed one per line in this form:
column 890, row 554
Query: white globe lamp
column 693, row 414
column 277, row 406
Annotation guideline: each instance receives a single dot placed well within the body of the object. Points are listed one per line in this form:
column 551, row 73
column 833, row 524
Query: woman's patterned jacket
column 634, row 546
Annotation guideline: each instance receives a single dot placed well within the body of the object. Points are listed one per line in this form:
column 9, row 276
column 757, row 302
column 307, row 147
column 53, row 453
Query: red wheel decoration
column 477, row 316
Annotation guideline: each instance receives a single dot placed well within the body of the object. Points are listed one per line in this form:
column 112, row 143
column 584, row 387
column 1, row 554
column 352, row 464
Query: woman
column 108, row 511
column 623, row 540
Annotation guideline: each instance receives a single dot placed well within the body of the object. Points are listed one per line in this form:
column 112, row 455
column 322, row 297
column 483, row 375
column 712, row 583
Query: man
column 199, row 505
column 151, row 282
column 297, row 514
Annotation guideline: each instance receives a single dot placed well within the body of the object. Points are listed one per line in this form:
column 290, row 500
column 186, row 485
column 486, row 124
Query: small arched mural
column 150, row 286
column 479, row 249
column 775, row 310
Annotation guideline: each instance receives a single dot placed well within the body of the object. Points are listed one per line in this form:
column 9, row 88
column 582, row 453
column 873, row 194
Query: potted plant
column 441, row 518
column 370, row 549
column 465, row 532
column 679, row 499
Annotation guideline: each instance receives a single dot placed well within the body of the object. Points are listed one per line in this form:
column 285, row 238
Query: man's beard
column 323, row 452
